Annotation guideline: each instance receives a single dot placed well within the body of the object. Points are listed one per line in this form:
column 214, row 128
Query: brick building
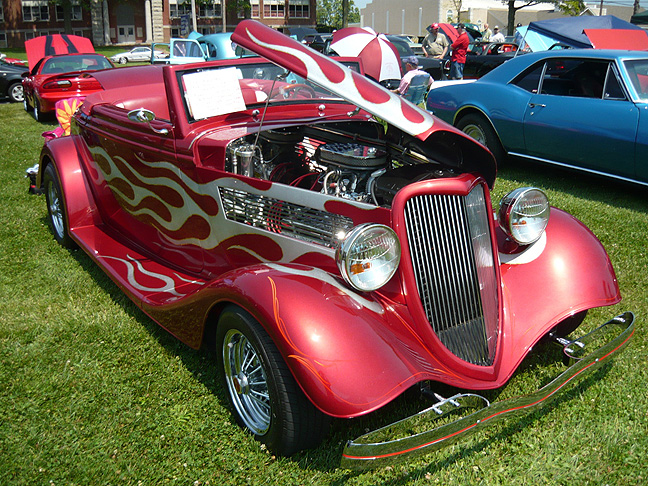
column 143, row 21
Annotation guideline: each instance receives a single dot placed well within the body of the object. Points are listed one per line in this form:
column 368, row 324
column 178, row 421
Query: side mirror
column 142, row 115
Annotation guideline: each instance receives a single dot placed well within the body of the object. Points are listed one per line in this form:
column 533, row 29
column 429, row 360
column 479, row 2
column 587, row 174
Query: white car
column 142, row 53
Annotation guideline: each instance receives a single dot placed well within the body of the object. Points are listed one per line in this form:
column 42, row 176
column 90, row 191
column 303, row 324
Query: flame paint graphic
column 135, row 270
column 159, row 194
column 356, row 88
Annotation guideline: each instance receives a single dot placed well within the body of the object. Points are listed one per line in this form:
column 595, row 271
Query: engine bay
column 332, row 162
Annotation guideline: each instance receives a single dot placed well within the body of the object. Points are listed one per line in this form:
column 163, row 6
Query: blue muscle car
column 579, row 108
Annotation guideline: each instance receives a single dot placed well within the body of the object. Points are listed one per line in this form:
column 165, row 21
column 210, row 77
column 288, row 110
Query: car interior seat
column 417, row 89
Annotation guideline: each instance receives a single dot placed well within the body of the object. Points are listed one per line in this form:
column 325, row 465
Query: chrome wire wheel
column 54, row 206
column 246, row 382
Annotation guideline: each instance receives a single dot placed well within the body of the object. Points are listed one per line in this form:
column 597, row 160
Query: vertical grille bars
column 452, row 258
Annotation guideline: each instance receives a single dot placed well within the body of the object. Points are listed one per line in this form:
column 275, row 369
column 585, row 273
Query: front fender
column 565, row 272
column 350, row 353
column 77, row 197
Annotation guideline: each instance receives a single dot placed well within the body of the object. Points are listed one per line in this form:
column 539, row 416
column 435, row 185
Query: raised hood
column 50, row 45
column 324, row 71
column 363, row 93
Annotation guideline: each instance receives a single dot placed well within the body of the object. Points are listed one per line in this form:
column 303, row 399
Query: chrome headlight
column 524, row 214
column 368, row 256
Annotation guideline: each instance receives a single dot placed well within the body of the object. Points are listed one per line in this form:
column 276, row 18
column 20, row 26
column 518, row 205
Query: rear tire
column 260, row 388
column 57, row 214
column 26, row 104
column 480, row 129
column 38, row 114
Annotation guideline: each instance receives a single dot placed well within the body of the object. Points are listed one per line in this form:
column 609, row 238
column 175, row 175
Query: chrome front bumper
column 585, row 354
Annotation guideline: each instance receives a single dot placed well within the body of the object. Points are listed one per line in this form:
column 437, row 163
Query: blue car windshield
column 638, row 74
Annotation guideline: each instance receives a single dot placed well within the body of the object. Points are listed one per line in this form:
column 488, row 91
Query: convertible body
column 332, row 260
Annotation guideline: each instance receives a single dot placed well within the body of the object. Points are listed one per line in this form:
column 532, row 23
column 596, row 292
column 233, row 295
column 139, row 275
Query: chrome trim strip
column 375, row 449
column 575, row 167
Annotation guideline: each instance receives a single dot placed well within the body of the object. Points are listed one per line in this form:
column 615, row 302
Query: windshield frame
column 258, row 78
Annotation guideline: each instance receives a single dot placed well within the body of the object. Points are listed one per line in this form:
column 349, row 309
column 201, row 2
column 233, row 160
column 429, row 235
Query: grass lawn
column 94, row 393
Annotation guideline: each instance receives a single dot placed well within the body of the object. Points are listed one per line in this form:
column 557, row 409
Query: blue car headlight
column 524, row 214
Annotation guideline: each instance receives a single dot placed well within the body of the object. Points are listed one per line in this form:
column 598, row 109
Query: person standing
column 435, row 44
column 486, row 34
column 497, row 35
column 459, row 49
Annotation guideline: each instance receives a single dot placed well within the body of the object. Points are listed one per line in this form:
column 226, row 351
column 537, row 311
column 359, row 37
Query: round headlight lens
column 369, row 256
column 524, row 214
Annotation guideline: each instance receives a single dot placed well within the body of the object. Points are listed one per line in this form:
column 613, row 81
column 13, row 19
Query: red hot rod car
column 333, row 260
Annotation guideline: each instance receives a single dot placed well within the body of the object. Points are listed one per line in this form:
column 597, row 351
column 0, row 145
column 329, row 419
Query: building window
column 75, row 13
column 3, row 39
column 255, row 11
column 35, row 10
column 178, row 8
column 32, row 35
column 175, row 31
column 274, row 9
column 299, row 9
column 2, row 18
column 78, row 32
column 211, row 10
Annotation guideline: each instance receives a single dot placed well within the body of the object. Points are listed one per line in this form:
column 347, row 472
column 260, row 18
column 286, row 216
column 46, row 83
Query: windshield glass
column 638, row 74
column 229, row 89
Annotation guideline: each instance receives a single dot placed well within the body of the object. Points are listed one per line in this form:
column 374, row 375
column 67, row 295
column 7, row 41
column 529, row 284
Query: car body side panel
column 504, row 107
column 569, row 130
column 641, row 147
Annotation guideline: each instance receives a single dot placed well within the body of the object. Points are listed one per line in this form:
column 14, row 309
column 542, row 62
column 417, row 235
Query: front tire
column 15, row 92
column 479, row 128
column 57, row 214
column 260, row 388
column 122, row 60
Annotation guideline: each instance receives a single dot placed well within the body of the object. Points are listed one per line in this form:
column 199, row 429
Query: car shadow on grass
column 598, row 189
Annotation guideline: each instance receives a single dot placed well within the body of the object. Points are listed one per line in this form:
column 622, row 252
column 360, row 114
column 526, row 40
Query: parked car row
column 334, row 244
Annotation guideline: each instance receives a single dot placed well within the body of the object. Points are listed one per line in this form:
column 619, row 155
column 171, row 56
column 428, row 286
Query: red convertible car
column 257, row 206
column 59, row 77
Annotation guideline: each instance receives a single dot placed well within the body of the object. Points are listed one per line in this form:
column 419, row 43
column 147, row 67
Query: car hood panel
column 324, row 71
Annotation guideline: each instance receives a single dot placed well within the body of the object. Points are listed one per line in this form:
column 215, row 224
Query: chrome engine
column 340, row 168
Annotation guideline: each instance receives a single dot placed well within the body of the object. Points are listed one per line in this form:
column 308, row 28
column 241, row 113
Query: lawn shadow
column 483, row 439
column 576, row 183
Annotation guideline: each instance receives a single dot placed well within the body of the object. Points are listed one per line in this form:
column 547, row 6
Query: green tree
column 330, row 13
column 569, row 7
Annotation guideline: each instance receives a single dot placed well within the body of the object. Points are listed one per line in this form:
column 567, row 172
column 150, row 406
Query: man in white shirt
column 497, row 35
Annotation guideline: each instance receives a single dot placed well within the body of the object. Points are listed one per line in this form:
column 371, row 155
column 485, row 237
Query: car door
column 139, row 183
column 580, row 116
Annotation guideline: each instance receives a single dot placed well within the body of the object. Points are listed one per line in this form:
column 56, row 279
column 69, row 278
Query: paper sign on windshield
column 213, row 92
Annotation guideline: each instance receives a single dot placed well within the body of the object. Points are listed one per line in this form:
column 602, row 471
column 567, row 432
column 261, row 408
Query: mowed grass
column 94, row 393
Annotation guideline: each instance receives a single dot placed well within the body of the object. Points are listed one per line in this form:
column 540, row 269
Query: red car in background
column 60, row 77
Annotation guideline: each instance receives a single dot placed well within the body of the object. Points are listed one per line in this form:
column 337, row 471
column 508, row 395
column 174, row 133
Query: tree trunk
column 510, row 28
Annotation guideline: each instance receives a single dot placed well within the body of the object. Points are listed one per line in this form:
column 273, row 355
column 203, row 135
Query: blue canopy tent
column 534, row 40
column 569, row 30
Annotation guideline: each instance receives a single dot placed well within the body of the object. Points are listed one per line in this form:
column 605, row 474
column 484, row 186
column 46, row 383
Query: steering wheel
column 293, row 88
